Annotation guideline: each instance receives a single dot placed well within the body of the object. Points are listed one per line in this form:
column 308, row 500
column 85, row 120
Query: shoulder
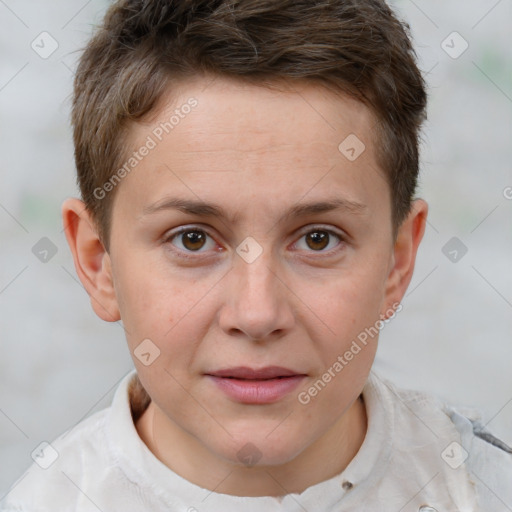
column 486, row 458
column 52, row 480
column 82, row 468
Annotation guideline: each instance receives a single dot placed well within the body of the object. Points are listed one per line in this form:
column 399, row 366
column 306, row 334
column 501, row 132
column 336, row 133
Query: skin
column 255, row 152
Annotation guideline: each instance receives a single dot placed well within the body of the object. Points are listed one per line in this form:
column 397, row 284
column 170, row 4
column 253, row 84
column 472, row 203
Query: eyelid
column 323, row 227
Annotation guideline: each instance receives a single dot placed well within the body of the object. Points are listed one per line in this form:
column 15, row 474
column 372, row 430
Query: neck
column 323, row 459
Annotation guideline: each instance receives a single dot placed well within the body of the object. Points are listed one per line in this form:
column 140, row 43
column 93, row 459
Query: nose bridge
column 257, row 278
column 259, row 305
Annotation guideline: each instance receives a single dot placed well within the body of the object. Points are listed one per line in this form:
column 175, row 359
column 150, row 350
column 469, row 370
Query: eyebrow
column 204, row 209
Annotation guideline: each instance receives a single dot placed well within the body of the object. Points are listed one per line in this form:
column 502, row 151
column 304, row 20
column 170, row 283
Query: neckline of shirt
column 362, row 473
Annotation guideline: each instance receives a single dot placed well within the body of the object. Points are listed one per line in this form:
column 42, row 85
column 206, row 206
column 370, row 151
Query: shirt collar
column 361, row 474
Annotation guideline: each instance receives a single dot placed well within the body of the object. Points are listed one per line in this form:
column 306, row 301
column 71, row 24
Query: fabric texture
column 418, row 453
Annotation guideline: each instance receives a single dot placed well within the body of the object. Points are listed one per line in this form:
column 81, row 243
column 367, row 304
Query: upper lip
column 244, row 372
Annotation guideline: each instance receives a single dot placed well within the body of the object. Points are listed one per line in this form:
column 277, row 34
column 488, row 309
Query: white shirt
column 417, row 453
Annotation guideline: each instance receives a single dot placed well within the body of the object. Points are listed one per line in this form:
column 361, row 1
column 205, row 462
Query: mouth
column 256, row 386
column 246, row 373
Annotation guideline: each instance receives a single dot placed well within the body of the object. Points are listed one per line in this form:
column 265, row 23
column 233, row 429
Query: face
column 249, row 252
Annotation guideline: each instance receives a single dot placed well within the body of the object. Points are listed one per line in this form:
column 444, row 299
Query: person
column 248, row 174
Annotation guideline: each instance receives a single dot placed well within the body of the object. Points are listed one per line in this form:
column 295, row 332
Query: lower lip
column 257, row 391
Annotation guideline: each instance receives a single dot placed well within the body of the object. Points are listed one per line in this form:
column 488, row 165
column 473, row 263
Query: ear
column 92, row 261
column 408, row 239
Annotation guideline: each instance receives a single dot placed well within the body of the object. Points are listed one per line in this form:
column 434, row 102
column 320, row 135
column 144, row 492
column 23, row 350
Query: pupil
column 193, row 240
column 320, row 239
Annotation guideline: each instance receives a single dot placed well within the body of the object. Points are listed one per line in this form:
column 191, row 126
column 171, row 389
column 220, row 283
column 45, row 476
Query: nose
column 257, row 304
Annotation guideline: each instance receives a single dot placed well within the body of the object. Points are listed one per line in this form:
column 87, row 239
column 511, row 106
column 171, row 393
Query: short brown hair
column 357, row 47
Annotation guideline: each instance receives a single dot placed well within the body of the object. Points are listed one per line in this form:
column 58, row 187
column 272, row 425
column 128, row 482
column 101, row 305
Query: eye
column 191, row 240
column 320, row 240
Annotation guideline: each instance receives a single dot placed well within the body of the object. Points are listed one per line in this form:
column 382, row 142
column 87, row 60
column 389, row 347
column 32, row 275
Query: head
column 247, row 173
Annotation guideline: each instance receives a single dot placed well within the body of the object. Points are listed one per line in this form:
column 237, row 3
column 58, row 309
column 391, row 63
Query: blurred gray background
column 60, row 363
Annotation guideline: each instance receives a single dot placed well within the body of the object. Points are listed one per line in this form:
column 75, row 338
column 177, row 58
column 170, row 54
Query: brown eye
column 193, row 240
column 320, row 240
column 189, row 240
column 317, row 240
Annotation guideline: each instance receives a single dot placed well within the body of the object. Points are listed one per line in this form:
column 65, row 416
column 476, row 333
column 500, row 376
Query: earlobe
column 408, row 239
column 92, row 261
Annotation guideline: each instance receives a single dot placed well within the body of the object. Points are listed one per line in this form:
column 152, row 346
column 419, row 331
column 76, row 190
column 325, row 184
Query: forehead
column 238, row 142
column 257, row 117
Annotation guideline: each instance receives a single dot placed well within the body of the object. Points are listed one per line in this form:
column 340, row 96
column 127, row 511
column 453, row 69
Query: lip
column 256, row 386
column 244, row 372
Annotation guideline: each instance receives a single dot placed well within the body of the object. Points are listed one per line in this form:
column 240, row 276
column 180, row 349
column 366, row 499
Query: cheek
column 349, row 300
column 144, row 304
column 346, row 310
column 143, row 289
column 149, row 305
column 173, row 311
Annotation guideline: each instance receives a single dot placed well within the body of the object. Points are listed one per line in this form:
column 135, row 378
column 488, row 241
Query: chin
column 259, row 451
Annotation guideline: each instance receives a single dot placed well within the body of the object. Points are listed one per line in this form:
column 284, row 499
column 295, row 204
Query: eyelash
column 190, row 254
